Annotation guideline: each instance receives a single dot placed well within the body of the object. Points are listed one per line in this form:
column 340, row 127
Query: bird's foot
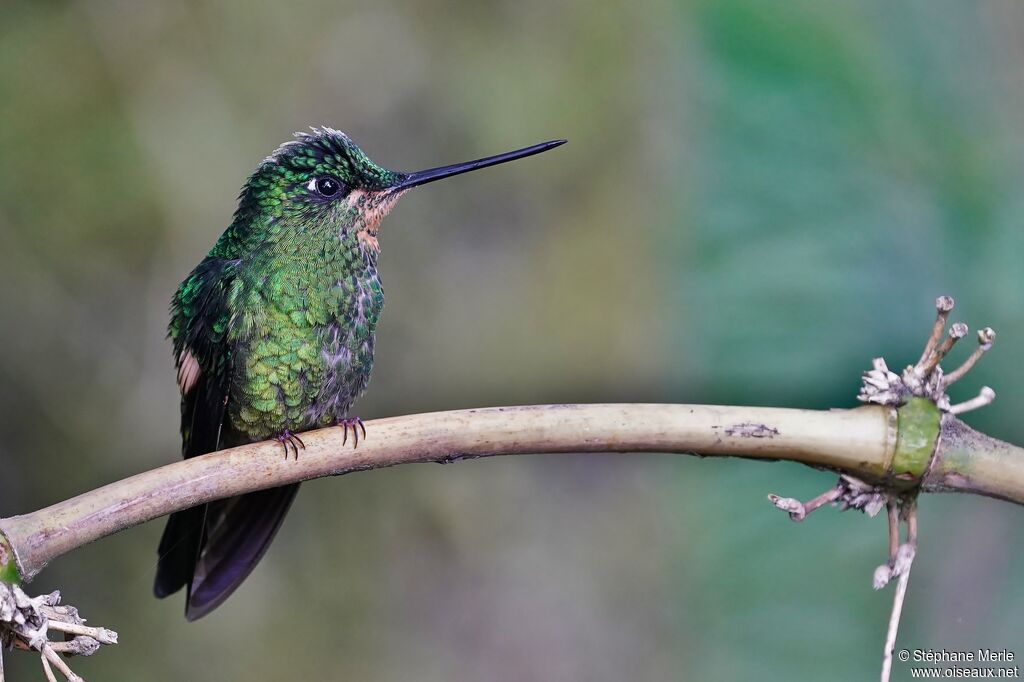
column 287, row 438
column 354, row 423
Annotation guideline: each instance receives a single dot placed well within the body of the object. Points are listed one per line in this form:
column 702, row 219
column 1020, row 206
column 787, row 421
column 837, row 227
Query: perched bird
column 273, row 334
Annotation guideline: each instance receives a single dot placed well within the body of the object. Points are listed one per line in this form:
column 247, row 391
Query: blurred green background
column 757, row 198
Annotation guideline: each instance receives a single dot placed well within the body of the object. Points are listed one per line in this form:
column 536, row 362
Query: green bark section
column 969, row 461
column 916, row 437
column 8, row 567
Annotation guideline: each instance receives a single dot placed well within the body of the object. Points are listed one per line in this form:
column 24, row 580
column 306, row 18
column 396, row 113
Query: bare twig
column 986, row 337
column 101, row 635
column 901, row 566
column 894, row 531
column 848, row 493
column 956, row 332
column 50, row 655
column 894, row 624
column 798, row 511
column 47, row 670
column 943, row 305
column 984, row 397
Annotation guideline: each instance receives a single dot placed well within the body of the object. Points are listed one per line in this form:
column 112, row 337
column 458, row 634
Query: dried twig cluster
column 924, row 379
column 26, row 623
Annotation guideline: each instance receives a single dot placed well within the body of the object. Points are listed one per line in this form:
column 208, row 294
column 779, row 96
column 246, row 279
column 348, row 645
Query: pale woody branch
column 860, row 442
column 906, row 441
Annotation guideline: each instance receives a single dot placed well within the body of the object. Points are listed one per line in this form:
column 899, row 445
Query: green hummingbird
column 273, row 334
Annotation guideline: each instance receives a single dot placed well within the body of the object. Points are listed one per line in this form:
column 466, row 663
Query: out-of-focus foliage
column 757, row 198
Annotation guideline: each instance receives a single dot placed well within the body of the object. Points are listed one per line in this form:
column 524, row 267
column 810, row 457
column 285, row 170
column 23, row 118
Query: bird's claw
column 287, row 438
column 354, row 423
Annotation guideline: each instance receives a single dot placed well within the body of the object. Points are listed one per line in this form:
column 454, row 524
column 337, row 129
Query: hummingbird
column 273, row 334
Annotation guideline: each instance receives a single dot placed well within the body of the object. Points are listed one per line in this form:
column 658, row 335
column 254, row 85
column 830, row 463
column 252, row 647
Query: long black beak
column 409, row 180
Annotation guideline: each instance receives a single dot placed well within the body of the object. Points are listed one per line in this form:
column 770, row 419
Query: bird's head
column 321, row 181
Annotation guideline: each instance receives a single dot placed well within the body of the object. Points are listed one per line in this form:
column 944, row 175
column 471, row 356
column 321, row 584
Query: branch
column 909, row 441
column 862, row 442
column 859, row 441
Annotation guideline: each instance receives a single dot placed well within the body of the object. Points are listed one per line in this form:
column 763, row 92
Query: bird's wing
column 212, row 548
column 200, row 314
column 199, row 317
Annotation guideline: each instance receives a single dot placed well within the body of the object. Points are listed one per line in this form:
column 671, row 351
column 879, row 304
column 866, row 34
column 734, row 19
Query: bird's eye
column 325, row 186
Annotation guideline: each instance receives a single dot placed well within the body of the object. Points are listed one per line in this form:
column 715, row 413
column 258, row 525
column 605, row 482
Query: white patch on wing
column 188, row 371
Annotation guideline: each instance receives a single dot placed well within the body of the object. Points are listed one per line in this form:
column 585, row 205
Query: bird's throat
column 371, row 208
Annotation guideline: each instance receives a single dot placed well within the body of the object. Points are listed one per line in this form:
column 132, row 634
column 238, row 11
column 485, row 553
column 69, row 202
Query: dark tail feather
column 235, row 534
column 178, row 550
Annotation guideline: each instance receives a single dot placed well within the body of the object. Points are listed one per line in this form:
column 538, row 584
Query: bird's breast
column 347, row 344
column 306, row 366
